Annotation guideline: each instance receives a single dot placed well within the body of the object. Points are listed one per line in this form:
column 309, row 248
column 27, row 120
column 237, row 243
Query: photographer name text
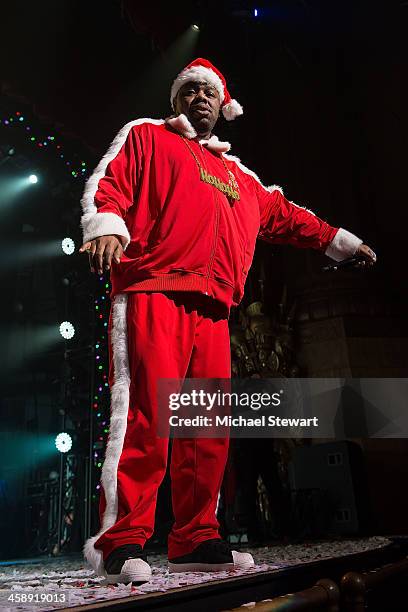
column 241, row 421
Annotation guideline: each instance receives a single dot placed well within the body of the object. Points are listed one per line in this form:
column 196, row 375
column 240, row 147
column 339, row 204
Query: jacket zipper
column 217, row 215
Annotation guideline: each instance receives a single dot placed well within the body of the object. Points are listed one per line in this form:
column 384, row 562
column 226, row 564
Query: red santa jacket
column 183, row 234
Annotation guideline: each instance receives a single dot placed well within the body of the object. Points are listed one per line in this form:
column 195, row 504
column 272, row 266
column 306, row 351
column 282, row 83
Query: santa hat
column 203, row 70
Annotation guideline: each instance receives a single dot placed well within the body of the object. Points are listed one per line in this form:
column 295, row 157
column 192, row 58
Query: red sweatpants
column 167, row 335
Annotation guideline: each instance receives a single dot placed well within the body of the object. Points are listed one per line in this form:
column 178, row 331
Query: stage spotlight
column 67, row 330
column 63, row 442
column 68, row 246
column 33, row 178
column 196, row 27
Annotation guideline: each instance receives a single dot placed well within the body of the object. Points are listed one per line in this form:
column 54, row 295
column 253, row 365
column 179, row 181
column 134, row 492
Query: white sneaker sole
column 242, row 561
column 174, row 568
column 136, row 571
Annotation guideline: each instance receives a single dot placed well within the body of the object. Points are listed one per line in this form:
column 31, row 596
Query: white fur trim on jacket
column 304, row 208
column 250, row 172
column 182, row 125
column 117, row 431
column 232, row 110
column 271, row 188
column 343, row 245
column 215, row 144
column 108, row 225
column 275, row 188
column 196, row 73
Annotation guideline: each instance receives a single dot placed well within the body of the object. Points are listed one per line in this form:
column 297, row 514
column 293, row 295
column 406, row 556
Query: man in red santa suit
column 175, row 219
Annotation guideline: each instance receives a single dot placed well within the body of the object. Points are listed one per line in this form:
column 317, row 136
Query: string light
column 76, row 168
column 101, row 399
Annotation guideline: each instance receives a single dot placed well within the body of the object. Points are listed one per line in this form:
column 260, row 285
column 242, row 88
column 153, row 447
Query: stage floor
column 71, row 583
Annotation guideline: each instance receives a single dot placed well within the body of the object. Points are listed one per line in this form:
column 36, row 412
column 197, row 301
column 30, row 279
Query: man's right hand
column 101, row 251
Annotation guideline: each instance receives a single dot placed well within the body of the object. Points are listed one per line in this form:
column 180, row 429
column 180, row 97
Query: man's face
column 200, row 102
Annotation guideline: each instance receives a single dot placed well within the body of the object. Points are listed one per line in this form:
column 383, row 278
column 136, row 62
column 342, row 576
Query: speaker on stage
column 329, row 489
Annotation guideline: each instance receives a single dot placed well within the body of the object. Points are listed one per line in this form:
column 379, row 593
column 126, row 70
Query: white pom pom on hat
column 202, row 70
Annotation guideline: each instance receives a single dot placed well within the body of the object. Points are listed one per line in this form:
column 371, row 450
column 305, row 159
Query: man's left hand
column 369, row 256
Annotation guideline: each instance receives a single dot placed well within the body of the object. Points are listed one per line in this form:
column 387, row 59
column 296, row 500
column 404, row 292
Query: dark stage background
column 323, row 86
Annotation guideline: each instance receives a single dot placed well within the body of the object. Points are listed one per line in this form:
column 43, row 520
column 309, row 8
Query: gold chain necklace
column 231, row 189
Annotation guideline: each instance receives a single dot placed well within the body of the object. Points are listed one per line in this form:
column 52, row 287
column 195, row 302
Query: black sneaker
column 211, row 556
column 127, row 564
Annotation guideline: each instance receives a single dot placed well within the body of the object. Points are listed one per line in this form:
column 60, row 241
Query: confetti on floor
column 67, row 581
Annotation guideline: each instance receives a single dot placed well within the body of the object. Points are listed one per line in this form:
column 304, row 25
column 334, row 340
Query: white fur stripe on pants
column 117, row 430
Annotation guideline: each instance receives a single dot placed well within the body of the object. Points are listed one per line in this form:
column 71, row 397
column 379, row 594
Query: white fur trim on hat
column 197, row 73
column 231, row 110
